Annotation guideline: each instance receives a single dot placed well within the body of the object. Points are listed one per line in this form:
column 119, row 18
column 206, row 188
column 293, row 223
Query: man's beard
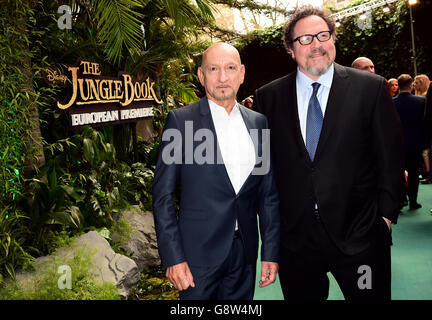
column 318, row 71
column 228, row 95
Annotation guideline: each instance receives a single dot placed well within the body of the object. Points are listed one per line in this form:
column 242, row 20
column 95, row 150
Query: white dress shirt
column 304, row 92
column 235, row 143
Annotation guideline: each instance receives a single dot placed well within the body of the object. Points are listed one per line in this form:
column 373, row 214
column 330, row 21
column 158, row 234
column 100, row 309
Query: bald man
column 363, row 63
column 216, row 150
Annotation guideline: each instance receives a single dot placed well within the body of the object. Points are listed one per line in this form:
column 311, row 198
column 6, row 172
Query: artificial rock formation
column 106, row 265
column 136, row 233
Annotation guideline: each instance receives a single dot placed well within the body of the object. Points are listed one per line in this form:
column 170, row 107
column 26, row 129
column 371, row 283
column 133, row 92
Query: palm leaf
column 89, row 152
column 206, row 8
column 119, row 27
column 69, row 216
column 181, row 14
column 74, row 192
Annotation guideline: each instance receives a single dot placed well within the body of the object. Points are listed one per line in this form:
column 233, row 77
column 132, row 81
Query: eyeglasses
column 308, row 38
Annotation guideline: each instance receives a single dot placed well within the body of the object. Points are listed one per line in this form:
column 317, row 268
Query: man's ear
column 243, row 71
column 291, row 51
column 200, row 76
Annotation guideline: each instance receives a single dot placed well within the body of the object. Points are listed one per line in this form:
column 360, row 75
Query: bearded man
column 336, row 143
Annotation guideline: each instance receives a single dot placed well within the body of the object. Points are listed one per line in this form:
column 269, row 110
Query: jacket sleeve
column 269, row 215
column 165, row 179
column 388, row 148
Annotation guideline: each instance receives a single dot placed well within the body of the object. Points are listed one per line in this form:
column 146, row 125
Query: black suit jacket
column 355, row 177
column 201, row 233
column 411, row 111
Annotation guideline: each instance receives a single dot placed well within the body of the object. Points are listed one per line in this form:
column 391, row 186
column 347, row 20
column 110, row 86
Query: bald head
column 218, row 49
column 221, row 74
column 363, row 63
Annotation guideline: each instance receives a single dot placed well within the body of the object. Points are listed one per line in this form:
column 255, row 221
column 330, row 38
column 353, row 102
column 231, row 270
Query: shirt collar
column 325, row 80
column 214, row 107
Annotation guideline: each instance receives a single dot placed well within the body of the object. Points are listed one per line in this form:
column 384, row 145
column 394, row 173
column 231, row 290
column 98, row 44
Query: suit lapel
column 249, row 126
column 337, row 99
column 206, row 121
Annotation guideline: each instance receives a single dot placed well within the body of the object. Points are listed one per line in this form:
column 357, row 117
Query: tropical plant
column 382, row 39
column 128, row 26
column 127, row 35
column 154, row 285
column 44, row 285
column 20, row 140
column 13, row 235
column 86, row 187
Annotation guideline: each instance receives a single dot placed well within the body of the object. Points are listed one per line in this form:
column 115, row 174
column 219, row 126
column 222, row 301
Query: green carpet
column 411, row 257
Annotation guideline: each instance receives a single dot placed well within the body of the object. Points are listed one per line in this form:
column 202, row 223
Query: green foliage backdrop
column 387, row 43
column 14, row 111
column 83, row 182
column 16, row 102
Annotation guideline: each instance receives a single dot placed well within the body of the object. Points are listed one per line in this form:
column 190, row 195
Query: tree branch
column 251, row 5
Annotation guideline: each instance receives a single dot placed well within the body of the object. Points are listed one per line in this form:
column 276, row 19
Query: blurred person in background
column 411, row 111
column 363, row 63
column 421, row 86
column 248, row 102
column 393, row 87
column 428, row 126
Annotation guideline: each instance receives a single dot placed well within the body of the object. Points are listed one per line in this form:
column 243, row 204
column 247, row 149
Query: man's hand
column 268, row 273
column 180, row 276
column 388, row 222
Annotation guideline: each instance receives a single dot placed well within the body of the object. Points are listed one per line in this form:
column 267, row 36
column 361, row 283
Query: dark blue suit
column 411, row 111
column 202, row 232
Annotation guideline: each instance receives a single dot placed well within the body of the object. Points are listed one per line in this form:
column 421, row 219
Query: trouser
column 362, row 276
column 412, row 166
column 234, row 279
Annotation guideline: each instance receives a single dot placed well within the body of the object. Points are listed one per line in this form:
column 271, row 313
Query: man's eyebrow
column 218, row 65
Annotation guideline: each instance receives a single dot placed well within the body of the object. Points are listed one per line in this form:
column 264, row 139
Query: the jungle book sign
column 95, row 100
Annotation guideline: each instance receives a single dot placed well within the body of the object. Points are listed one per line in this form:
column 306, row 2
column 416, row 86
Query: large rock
column 136, row 232
column 107, row 265
column 110, row 266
